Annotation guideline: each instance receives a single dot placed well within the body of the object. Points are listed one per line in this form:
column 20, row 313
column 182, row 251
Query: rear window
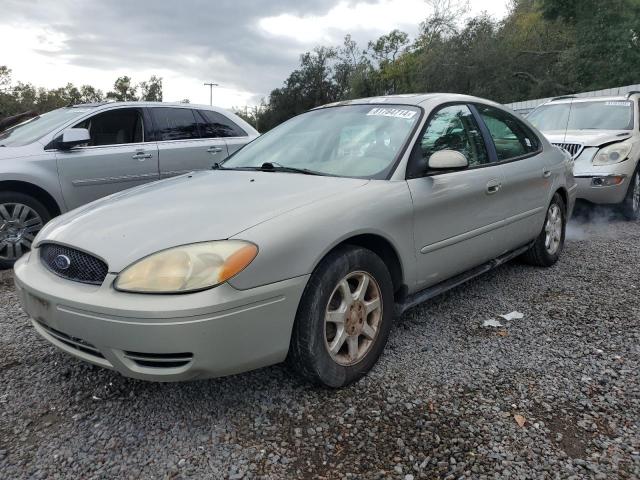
column 216, row 125
column 175, row 123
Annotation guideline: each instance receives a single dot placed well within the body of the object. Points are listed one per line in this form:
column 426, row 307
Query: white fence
column 526, row 106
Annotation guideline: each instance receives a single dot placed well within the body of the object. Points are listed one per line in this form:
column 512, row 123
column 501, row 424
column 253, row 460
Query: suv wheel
column 548, row 246
column 344, row 318
column 21, row 218
column 631, row 204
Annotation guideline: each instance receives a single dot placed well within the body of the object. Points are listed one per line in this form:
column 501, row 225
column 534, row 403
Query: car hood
column 214, row 205
column 588, row 138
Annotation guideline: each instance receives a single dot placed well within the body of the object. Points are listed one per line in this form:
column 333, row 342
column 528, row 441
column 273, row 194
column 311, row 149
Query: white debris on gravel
column 492, row 323
column 440, row 404
column 512, row 316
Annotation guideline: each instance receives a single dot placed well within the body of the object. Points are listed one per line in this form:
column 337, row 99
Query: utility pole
column 211, row 85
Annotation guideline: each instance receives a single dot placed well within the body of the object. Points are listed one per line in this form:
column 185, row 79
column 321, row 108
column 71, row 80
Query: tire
column 542, row 253
column 21, row 218
column 630, row 206
column 325, row 296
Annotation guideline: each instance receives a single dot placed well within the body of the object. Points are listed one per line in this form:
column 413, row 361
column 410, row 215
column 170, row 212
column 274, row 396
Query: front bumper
column 588, row 176
column 216, row 332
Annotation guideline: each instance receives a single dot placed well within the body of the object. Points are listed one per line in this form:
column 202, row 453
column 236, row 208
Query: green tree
column 151, row 90
column 123, row 90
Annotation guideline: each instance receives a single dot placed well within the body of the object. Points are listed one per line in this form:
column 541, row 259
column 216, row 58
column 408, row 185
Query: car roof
column 143, row 104
column 414, row 99
column 610, row 98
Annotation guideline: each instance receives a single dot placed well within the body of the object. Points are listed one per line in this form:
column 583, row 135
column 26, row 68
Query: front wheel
column 21, row 218
column 344, row 318
column 548, row 246
column 630, row 206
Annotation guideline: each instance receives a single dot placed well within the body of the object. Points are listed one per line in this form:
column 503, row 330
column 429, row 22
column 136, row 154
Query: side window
column 175, row 123
column 511, row 137
column 115, row 127
column 216, row 125
column 453, row 128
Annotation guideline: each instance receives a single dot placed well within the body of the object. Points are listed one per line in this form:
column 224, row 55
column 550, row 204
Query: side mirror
column 447, row 160
column 72, row 137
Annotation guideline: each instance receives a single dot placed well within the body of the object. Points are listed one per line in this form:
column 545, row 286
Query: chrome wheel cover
column 353, row 318
column 553, row 229
column 19, row 224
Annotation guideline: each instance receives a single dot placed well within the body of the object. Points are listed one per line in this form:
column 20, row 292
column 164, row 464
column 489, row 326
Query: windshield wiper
column 271, row 167
column 276, row 167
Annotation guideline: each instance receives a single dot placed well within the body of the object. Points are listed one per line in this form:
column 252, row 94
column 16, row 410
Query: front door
column 456, row 219
column 117, row 157
column 182, row 146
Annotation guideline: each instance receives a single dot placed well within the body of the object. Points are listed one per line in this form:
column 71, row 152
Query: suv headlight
column 188, row 268
column 614, row 153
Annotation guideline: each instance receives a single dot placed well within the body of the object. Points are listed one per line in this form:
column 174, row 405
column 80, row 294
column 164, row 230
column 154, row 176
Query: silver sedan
column 303, row 245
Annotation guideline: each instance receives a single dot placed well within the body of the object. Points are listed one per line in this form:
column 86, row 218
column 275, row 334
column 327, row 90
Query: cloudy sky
column 248, row 47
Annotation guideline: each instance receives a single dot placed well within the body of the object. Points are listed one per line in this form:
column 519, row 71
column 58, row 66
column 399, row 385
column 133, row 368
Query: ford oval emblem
column 62, row 262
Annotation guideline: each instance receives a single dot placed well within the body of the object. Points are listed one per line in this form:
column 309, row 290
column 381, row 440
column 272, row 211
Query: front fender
column 294, row 243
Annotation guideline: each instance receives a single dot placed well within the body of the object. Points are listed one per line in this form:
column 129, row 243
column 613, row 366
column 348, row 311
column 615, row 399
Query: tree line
column 541, row 48
column 24, row 97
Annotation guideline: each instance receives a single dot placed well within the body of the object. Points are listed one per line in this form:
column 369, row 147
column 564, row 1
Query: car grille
column 73, row 342
column 574, row 149
column 159, row 360
column 73, row 264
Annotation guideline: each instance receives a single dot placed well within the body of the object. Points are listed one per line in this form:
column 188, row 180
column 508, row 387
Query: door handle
column 214, row 149
column 141, row 156
column 493, row 186
column 546, row 173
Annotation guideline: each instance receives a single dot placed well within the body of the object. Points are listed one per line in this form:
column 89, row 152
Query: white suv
column 602, row 134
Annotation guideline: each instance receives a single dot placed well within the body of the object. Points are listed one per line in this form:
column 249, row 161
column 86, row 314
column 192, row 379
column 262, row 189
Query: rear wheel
column 548, row 246
column 630, row 206
column 21, row 218
column 344, row 318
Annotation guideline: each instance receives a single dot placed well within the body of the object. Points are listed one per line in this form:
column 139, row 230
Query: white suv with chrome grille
column 602, row 134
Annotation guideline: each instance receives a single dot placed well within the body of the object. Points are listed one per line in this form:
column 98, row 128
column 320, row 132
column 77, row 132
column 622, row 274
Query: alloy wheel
column 553, row 229
column 352, row 318
column 19, row 224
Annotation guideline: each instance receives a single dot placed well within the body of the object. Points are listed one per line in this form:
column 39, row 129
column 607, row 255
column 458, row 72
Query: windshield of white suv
column 348, row 141
column 37, row 127
column 596, row 115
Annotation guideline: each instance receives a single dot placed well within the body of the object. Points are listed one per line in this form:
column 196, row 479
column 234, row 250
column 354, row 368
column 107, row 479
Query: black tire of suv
column 538, row 255
column 308, row 354
column 31, row 202
column 627, row 206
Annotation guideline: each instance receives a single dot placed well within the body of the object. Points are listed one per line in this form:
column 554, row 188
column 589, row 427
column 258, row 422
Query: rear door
column 217, row 125
column 527, row 178
column 120, row 155
column 456, row 219
column 182, row 147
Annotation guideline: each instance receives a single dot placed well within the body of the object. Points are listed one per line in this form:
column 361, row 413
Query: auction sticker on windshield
column 618, row 104
column 392, row 112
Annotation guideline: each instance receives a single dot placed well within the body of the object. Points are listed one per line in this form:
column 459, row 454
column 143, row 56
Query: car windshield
column 348, row 141
column 37, row 127
column 597, row 115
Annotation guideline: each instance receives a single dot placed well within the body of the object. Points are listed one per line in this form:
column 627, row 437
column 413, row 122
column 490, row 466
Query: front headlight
column 187, row 268
column 614, row 153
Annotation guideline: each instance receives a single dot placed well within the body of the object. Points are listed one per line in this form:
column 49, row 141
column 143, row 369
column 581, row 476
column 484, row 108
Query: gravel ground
column 445, row 401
